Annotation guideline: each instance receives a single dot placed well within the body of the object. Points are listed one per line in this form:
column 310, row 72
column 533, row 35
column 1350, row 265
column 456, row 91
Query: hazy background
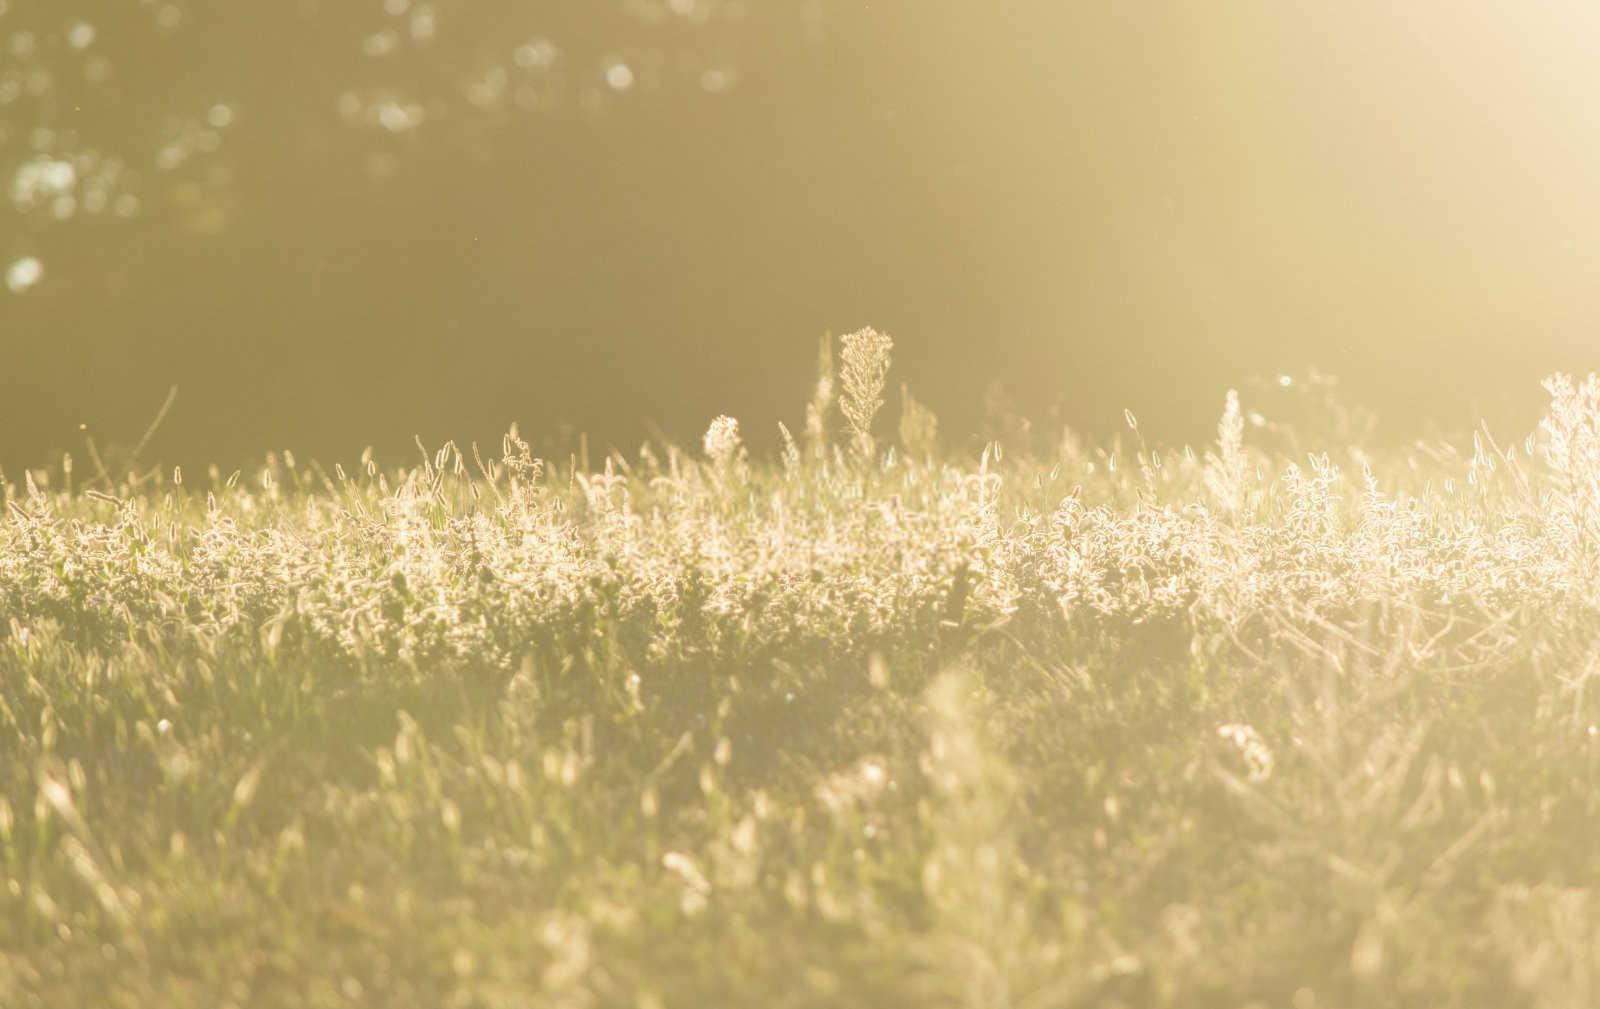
column 344, row 223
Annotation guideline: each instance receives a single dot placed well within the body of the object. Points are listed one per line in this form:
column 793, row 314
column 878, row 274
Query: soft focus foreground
column 867, row 724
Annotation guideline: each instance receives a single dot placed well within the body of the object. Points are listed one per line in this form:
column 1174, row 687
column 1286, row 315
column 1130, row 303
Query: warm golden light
column 1014, row 504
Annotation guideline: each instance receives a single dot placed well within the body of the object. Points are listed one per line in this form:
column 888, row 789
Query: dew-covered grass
column 870, row 722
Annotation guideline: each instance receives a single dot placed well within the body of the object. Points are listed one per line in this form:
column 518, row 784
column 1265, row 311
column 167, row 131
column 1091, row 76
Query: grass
column 866, row 724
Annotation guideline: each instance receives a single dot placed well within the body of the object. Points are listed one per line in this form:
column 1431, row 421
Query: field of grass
column 1280, row 722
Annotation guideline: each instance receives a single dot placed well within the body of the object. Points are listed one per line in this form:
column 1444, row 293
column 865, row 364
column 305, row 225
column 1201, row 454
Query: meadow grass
column 1290, row 721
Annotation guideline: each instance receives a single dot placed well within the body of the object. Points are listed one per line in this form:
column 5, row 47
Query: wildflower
column 722, row 443
column 1257, row 757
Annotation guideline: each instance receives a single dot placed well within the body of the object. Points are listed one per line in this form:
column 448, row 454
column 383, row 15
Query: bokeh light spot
column 24, row 273
column 619, row 76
